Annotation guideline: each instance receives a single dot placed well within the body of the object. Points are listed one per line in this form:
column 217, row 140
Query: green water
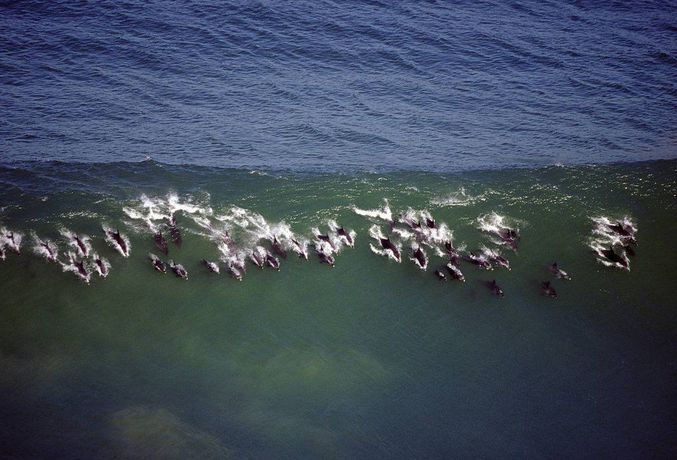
column 370, row 359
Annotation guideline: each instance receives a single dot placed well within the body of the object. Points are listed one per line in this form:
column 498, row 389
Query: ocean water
column 248, row 120
column 369, row 359
column 328, row 86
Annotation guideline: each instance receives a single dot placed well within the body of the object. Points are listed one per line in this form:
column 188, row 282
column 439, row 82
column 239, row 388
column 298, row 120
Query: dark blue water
column 339, row 86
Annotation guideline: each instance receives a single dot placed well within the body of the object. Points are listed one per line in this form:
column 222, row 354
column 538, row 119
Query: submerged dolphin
column 161, row 242
column 495, row 288
column 548, row 290
column 558, row 272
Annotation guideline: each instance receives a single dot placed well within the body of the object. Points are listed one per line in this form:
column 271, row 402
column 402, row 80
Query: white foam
column 383, row 213
column 458, row 198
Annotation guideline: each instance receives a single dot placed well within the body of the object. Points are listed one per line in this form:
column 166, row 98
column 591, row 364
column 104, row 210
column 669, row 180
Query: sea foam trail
column 155, row 212
column 458, row 198
column 383, row 213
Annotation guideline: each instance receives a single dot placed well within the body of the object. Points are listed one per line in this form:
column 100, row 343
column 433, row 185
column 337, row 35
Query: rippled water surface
column 339, row 85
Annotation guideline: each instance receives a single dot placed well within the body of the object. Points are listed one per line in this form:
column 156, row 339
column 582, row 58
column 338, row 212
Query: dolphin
column 258, row 256
column 278, row 249
column 455, row 272
column 77, row 267
column 46, row 248
column 211, row 266
column 178, row 270
column 440, row 275
column 495, row 288
column 161, row 242
column 101, row 265
column 548, row 290
column 420, row 258
column 82, row 271
column 117, row 240
column 327, row 239
column 479, row 260
column 620, row 260
column 157, row 263
column 11, row 240
column 174, row 232
column 388, row 245
column 272, row 262
column 235, row 272
column 327, row 259
column 495, row 257
column 346, row 236
column 301, row 250
column 558, row 272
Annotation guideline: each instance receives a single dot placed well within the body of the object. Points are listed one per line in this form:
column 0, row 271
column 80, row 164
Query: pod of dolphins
column 612, row 243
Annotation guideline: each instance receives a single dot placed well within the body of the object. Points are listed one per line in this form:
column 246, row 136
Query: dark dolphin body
column 103, row 268
column 161, row 242
column 157, row 263
column 326, row 258
column 52, row 255
column 272, row 262
column 509, row 237
column 258, row 259
column 558, row 272
column 178, row 270
column 278, row 249
column 478, row 260
column 455, row 273
column 623, row 230
column 548, row 290
column 174, row 232
column 211, row 266
column 495, row 288
column 452, row 252
column 84, row 251
column 387, row 244
column 498, row 259
column 349, row 239
column 326, row 239
column 82, row 271
column 117, row 238
column 430, row 223
column 303, row 253
column 235, row 272
column 421, row 258
column 614, row 257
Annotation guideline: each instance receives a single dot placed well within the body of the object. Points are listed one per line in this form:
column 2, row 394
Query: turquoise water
column 370, row 359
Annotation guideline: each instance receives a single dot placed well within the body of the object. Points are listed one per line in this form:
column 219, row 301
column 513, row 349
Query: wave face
column 373, row 358
column 321, row 85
